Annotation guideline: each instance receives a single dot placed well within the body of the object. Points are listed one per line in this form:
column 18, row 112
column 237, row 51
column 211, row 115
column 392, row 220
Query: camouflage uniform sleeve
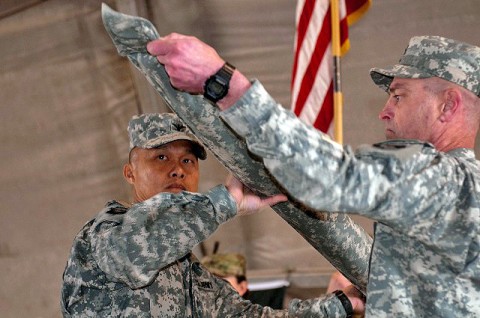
column 326, row 306
column 323, row 307
column 387, row 181
column 154, row 233
column 208, row 288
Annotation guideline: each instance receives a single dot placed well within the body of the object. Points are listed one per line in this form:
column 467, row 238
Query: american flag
column 312, row 75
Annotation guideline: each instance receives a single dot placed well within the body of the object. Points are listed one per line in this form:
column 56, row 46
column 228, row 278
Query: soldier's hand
column 188, row 61
column 356, row 298
column 247, row 202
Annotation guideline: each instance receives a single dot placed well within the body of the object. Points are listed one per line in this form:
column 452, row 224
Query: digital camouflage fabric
column 345, row 244
column 425, row 258
column 336, row 236
column 153, row 130
column 424, row 262
column 435, row 56
column 136, row 261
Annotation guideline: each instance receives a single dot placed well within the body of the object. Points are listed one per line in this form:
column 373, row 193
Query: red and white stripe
column 312, row 76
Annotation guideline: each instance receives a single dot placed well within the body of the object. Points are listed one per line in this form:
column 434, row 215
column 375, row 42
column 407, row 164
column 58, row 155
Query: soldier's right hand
column 247, row 201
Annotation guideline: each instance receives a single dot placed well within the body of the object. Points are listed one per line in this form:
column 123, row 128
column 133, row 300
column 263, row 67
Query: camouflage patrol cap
column 225, row 264
column 435, row 56
column 153, row 130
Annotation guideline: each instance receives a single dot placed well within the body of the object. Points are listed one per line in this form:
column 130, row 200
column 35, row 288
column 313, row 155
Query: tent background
column 66, row 97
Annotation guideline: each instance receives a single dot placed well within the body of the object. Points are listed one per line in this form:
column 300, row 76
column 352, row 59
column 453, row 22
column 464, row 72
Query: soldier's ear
column 452, row 100
column 242, row 287
column 128, row 173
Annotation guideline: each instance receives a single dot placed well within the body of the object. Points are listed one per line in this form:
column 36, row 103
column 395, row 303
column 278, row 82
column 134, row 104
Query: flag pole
column 337, row 91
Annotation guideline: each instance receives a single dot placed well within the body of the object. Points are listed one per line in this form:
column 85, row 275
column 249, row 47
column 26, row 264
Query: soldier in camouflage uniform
column 422, row 186
column 135, row 260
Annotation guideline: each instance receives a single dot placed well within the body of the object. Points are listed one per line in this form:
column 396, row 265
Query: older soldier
column 422, row 186
column 135, row 260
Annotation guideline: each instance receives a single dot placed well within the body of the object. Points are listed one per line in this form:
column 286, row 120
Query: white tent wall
column 66, row 97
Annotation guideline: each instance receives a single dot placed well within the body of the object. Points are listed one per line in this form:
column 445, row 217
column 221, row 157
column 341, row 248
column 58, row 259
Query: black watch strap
column 347, row 305
column 226, row 71
column 216, row 87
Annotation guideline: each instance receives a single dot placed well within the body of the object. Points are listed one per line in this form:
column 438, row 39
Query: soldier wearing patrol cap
column 135, row 260
column 422, row 185
column 154, row 130
column 434, row 56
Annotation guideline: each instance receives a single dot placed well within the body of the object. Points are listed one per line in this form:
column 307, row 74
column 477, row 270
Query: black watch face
column 216, row 88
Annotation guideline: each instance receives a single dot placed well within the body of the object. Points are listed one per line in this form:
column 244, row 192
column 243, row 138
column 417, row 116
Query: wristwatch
column 216, row 86
column 347, row 305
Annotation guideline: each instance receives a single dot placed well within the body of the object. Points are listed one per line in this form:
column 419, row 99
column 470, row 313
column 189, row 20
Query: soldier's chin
column 389, row 134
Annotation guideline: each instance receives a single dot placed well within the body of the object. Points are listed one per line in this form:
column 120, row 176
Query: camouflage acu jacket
column 425, row 257
column 136, row 262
